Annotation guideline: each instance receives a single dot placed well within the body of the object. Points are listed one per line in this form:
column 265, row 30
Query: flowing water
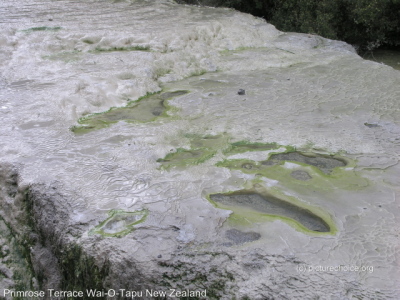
column 64, row 62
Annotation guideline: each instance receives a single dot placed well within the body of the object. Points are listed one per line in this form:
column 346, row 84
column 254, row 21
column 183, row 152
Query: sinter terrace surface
column 99, row 190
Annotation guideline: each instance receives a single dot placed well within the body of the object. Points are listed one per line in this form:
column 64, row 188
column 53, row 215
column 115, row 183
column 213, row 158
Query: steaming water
column 61, row 60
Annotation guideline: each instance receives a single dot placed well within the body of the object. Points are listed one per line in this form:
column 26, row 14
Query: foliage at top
column 364, row 23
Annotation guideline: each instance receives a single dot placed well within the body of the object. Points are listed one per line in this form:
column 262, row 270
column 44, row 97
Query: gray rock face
column 91, row 202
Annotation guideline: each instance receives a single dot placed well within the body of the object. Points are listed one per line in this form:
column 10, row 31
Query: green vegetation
column 79, row 271
column 15, row 255
column 365, row 23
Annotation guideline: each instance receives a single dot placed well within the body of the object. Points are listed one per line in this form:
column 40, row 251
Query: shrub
column 366, row 23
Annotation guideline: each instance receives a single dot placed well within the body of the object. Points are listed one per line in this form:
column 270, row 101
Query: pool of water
column 384, row 56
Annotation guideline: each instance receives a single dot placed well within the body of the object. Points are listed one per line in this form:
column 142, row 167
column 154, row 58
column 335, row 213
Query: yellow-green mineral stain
column 183, row 157
column 202, row 148
column 325, row 163
column 145, row 109
column 127, row 48
column 42, row 28
column 119, row 223
column 66, row 56
column 307, row 171
column 245, row 146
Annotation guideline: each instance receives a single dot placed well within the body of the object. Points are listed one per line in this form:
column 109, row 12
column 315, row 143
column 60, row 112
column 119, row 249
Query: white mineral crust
column 300, row 90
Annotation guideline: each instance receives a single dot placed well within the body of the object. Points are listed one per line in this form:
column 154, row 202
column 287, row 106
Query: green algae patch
column 145, row 109
column 42, row 28
column 240, row 164
column 302, row 171
column 202, row 148
column 119, row 223
column 299, row 176
column 113, row 49
column 65, row 56
column 325, row 163
column 245, row 146
column 198, row 73
column 183, row 157
column 257, row 205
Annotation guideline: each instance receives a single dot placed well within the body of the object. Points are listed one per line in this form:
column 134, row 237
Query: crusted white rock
column 301, row 90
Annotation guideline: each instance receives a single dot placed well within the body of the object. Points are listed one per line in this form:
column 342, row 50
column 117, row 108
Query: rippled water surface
column 64, row 60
